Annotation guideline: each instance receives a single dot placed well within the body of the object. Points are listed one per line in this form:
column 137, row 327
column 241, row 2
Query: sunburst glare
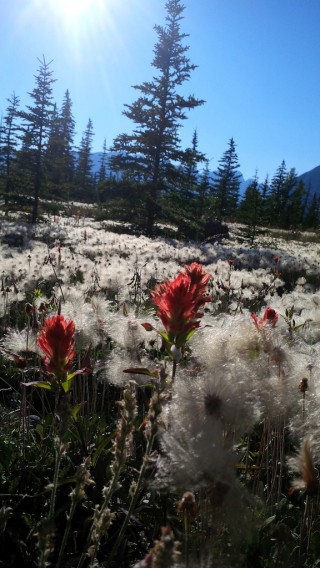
column 76, row 21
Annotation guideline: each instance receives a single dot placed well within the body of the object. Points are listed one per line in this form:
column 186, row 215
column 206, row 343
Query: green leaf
column 41, row 384
column 184, row 337
column 97, row 453
column 76, row 409
column 269, row 520
column 298, row 326
column 165, row 336
column 141, row 371
column 84, row 371
column 66, row 385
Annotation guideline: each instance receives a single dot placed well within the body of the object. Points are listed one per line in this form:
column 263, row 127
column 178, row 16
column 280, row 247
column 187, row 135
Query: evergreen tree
column 284, row 198
column 67, row 128
column 312, row 216
column 203, row 191
column 83, row 173
column 249, row 211
column 102, row 175
column 146, row 155
column 9, row 136
column 297, row 206
column 181, row 202
column 226, row 185
column 287, row 193
column 59, row 154
column 37, row 122
column 266, row 213
column 25, row 162
column 190, row 161
column 276, row 198
column 53, row 150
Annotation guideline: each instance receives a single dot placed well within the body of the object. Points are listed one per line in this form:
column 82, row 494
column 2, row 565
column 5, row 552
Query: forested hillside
column 146, row 176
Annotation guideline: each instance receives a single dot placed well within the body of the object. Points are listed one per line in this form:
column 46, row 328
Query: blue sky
column 258, row 70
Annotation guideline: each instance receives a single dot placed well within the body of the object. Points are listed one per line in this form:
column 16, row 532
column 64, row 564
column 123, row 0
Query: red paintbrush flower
column 197, row 275
column 198, row 282
column 270, row 317
column 178, row 302
column 56, row 340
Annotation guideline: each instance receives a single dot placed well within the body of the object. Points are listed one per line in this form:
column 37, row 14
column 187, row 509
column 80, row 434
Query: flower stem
column 123, row 436
column 133, row 501
column 59, row 452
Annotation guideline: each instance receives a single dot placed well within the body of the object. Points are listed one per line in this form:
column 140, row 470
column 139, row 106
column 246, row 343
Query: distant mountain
column 96, row 161
column 244, row 184
column 311, row 180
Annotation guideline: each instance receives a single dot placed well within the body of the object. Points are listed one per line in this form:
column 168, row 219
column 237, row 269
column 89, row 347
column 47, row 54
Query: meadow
column 159, row 399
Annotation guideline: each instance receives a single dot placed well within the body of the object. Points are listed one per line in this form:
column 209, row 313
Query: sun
column 86, row 30
column 78, row 22
column 77, row 10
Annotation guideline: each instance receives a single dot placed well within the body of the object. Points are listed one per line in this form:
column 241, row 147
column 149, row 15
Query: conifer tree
column 276, row 198
column 191, row 158
column 59, row 154
column 102, row 175
column 203, row 194
column 25, row 165
column 53, row 150
column 312, row 216
column 146, row 156
column 297, row 206
column 249, row 211
column 9, row 136
column 226, row 185
column 37, row 121
column 67, row 128
column 266, row 213
column 83, row 173
column 180, row 205
column 288, row 190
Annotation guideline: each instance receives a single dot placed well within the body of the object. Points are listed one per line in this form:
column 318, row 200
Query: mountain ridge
column 310, row 178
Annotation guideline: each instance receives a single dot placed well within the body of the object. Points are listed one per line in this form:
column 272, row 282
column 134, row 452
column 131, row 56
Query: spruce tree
column 266, row 214
column 67, row 130
column 203, row 190
column 276, row 199
column 9, row 136
column 226, row 186
column 181, row 202
column 53, row 150
column 147, row 155
column 249, row 211
column 288, row 190
column 83, row 173
column 312, row 216
column 60, row 154
column 297, row 206
column 37, row 121
column 102, row 174
column 24, row 168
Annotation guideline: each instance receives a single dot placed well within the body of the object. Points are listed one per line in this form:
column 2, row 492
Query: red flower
column 270, row 317
column 198, row 281
column 197, row 275
column 178, row 302
column 56, row 340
